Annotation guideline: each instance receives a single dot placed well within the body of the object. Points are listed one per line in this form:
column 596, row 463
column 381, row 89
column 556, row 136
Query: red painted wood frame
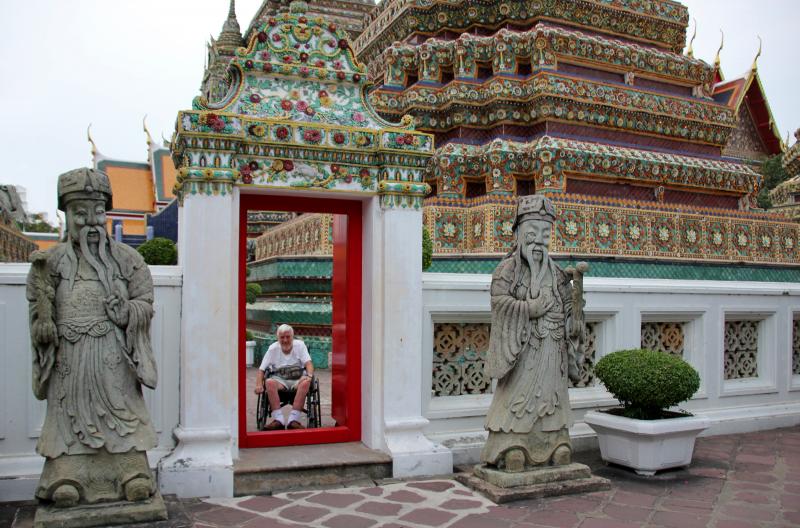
column 346, row 299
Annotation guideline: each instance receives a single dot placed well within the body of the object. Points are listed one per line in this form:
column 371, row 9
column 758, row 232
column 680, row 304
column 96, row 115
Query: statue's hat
column 534, row 207
column 83, row 183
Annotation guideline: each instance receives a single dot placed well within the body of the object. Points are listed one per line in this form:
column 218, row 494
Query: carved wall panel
column 459, row 359
column 741, row 349
column 664, row 337
column 796, row 347
column 590, row 357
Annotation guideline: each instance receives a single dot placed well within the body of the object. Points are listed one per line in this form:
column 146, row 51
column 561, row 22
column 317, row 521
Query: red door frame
column 351, row 430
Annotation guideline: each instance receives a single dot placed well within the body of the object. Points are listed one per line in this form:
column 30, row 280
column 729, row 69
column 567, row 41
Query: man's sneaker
column 274, row 425
column 294, row 424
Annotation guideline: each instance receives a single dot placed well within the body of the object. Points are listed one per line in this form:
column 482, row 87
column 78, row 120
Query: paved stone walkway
column 735, row 481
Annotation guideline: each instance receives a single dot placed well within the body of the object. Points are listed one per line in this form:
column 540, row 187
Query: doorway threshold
column 263, row 471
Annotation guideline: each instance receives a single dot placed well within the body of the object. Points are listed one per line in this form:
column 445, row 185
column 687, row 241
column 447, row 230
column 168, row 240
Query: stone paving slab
column 735, row 481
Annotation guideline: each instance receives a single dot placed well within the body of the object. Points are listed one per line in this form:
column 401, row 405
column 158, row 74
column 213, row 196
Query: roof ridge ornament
column 96, row 156
column 147, row 132
column 690, row 51
column 721, row 45
column 754, row 67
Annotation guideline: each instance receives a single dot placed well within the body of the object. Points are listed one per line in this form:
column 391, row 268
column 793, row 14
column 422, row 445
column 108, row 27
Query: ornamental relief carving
column 664, row 337
column 741, row 349
column 796, row 347
column 459, row 359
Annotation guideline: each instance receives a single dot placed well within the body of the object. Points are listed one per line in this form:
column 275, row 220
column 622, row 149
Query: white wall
column 772, row 399
column 21, row 414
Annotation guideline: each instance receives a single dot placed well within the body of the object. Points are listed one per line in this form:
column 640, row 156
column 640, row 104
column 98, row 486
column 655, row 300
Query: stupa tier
column 648, row 153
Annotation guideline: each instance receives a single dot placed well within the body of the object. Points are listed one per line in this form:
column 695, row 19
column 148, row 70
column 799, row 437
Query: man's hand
column 44, row 332
column 540, row 305
column 259, row 388
column 118, row 310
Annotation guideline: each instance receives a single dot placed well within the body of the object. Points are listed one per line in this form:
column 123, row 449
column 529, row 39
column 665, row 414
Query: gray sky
column 69, row 63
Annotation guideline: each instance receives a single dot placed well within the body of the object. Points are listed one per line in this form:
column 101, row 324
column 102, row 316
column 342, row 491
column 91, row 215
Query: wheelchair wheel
column 313, row 411
column 262, row 411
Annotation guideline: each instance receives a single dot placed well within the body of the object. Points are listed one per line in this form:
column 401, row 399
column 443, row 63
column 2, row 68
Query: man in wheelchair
column 290, row 368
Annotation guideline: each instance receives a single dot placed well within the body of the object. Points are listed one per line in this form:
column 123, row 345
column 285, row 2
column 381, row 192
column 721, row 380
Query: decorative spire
column 231, row 25
column 95, row 152
column 754, row 67
column 690, row 51
column 147, row 132
column 721, row 45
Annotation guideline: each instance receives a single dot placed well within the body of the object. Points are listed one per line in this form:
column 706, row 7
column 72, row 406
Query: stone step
column 277, row 469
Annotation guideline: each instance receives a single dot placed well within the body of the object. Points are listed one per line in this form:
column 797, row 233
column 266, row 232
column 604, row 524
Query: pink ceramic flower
column 301, row 106
column 312, row 135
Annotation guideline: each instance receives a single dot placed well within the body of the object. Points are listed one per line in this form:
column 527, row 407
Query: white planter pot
column 646, row 445
column 250, row 352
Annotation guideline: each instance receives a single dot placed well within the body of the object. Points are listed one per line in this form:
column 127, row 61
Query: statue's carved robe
column 92, row 375
column 530, row 359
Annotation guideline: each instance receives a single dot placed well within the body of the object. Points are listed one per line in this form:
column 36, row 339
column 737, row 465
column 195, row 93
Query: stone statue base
column 546, row 481
column 101, row 514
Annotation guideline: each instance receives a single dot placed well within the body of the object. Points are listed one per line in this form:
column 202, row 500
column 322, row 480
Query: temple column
column 202, row 462
column 400, row 329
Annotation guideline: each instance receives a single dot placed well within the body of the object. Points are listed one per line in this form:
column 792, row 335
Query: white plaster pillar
column 412, row 453
column 202, row 462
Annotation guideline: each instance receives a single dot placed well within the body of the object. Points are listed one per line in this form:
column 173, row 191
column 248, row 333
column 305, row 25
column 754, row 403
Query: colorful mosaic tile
column 549, row 158
column 542, row 46
column 664, row 25
column 295, row 116
column 594, row 227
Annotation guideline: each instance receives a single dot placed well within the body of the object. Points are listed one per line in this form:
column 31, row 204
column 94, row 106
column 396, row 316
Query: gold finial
column 147, row 132
column 721, row 45
column 91, row 141
column 755, row 60
column 690, row 51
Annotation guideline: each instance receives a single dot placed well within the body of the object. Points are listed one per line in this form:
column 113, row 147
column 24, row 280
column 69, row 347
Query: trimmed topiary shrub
column 159, row 252
column 252, row 292
column 647, row 382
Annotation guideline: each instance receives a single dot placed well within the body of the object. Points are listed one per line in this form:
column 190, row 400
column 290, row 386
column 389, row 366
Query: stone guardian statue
column 536, row 344
column 91, row 302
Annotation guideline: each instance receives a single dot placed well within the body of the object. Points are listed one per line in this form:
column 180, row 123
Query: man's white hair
column 282, row 329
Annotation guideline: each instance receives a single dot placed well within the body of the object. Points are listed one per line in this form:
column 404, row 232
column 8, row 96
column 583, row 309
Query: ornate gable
column 745, row 141
column 296, row 116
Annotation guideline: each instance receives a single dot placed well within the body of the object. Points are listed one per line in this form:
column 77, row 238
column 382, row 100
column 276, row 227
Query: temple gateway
column 337, row 147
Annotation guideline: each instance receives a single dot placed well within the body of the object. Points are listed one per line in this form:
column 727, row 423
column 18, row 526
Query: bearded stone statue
column 536, row 344
column 91, row 302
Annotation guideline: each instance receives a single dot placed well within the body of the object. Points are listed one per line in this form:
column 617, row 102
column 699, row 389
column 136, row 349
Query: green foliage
column 159, row 252
column 774, row 175
column 36, row 224
column 253, row 291
column 647, row 382
column 427, row 249
column 248, row 335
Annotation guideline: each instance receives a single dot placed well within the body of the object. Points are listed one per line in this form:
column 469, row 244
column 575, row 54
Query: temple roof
column 748, row 88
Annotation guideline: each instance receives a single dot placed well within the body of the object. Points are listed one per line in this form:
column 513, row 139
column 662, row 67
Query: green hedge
column 647, row 382
column 159, row 252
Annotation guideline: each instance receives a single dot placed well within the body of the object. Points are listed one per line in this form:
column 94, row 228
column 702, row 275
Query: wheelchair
column 312, row 406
